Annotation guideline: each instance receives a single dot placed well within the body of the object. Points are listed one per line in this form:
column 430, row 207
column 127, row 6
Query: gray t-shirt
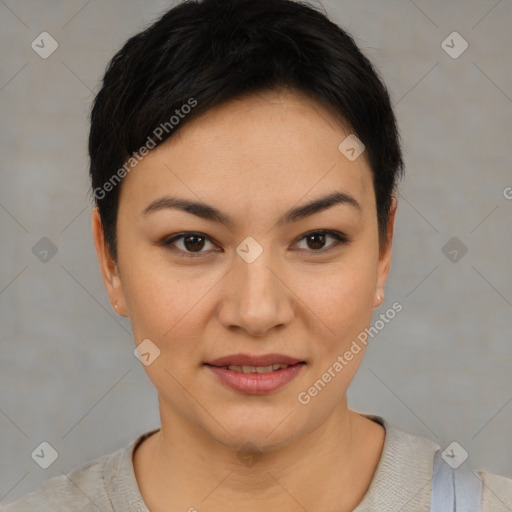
column 402, row 482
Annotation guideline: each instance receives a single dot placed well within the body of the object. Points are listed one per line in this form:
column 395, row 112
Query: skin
column 253, row 159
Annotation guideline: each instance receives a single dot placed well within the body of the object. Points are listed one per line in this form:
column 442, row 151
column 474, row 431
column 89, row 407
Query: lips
column 254, row 361
column 255, row 375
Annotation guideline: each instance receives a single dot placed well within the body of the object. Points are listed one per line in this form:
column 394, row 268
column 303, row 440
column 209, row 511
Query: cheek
column 341, row 298
column 168, row 305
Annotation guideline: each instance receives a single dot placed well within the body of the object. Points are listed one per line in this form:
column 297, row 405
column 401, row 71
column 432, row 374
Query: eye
column 316, row 240
column 189, row 244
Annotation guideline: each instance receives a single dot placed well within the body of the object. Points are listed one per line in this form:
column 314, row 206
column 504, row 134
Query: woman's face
column 262, row 283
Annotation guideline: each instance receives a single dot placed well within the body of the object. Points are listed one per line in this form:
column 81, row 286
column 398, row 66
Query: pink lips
column 247, row 360
column 255, row 383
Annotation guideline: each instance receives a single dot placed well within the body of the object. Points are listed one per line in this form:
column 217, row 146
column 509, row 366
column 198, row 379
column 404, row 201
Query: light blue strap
column 468, row 491
column 454, row 490
column 443, row 485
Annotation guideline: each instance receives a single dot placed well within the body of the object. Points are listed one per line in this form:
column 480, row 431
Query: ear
column 385, row 256
column 108, row 267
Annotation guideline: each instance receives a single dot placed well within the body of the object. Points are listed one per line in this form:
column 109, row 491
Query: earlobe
column 379, row 297
column 108, row 267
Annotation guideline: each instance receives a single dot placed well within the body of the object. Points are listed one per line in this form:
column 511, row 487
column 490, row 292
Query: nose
column 257, row 297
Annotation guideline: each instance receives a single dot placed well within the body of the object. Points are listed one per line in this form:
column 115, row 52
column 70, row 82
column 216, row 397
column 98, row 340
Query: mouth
column 255, row 375
column 256, row 369
column 249, row 361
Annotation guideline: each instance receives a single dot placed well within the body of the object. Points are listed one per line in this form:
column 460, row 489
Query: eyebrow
column 208, row 212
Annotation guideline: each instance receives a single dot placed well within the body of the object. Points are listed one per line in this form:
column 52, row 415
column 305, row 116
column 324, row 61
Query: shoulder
column 496, row 492
column 404, row 475
column 402, row 480
column 80, row 490
column 105, row 483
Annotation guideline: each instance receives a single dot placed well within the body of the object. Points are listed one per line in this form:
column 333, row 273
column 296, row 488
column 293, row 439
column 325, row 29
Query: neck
column 329, row 469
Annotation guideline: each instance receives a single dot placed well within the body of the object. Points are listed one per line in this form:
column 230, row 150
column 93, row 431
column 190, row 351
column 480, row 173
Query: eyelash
column 340, row 239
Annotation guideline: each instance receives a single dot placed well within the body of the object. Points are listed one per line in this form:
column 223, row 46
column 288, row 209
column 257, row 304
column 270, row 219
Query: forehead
column 267, row 148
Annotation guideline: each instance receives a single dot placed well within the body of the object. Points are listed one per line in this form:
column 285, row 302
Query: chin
column 265, row 430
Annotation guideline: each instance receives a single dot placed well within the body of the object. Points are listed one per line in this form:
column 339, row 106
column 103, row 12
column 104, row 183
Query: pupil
column 196, row 245
column 320, row 240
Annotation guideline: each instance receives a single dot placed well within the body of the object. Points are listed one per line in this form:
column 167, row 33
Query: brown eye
column 193, row 242
column 316, row 241
column 188, row 244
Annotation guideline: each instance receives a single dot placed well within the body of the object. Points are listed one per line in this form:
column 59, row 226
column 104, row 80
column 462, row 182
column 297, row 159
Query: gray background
column 440, row 369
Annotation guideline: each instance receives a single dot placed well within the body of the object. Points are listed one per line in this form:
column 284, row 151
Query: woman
column 244, row 163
